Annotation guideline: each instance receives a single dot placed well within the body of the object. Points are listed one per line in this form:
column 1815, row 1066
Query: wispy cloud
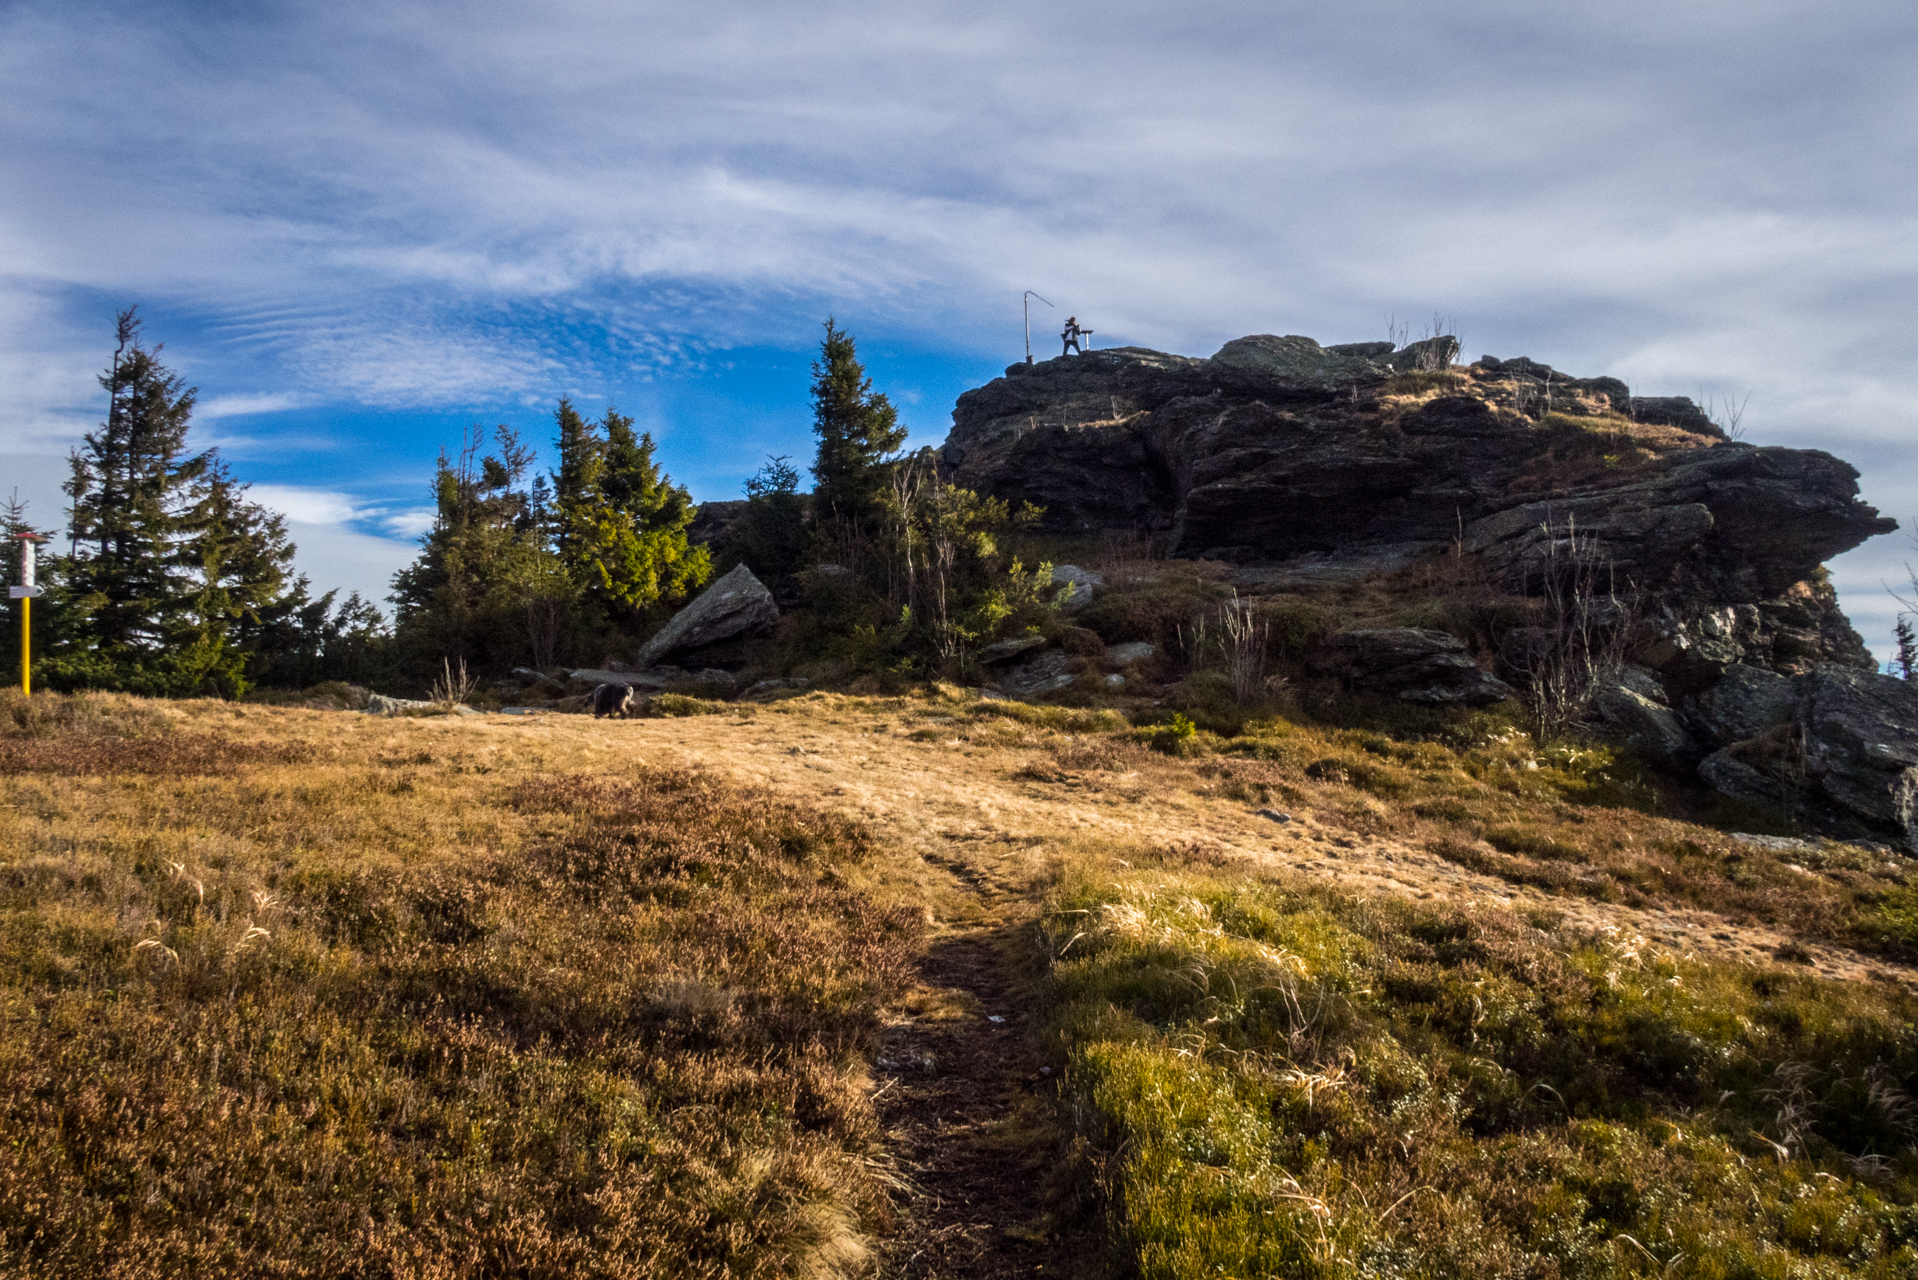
column 432, row 207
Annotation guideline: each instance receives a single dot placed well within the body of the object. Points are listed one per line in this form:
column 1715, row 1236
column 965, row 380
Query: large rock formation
column 1326, row 463
column 1304, row 465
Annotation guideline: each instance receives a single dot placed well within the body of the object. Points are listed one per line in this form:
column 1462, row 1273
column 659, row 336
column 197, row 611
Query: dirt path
column 953, row 1085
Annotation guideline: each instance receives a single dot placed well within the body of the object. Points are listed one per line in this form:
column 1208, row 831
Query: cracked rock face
column 1307, row 463
column 1413, row 665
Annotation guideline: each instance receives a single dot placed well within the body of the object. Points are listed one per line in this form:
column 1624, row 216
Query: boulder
column 773, row 687
column 1633, row 706
column 1844, row 760
column 1082, row 580
column 1861, row 747
column 1047, row 673
column 735, row 605
column 1124, row 655
column 1743, row 703
column 1413, row 665
column 378, row 704
column 1005, row 650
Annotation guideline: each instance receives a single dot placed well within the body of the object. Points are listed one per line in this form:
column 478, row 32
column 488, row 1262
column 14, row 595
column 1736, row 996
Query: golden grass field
column 918, row 986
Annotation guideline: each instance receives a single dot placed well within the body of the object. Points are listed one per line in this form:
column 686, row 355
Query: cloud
column 240, row 406
column 424, row 206
column 308, row 506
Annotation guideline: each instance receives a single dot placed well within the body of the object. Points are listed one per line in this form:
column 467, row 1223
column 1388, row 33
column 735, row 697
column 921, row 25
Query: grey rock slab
column 1413, row 664
column 1645, row 724
column 378, row 704
column 776, row 685
column 1745, row 702
column 1048, row 673
column 1124, row 655
column 1861, row 745
column 1083, row 581
column 1004, row 650
column 736, row 604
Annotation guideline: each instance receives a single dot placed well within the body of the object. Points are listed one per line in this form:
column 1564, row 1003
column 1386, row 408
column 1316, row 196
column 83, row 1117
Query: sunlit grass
column 356, row 998
column 1294, row 1083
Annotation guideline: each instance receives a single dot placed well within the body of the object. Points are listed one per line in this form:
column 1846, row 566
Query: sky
column 362, row 228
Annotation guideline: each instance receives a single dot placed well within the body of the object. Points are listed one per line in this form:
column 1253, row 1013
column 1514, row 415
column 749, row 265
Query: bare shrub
column 1587, row 627
column 453, row 687
column 1233, row 639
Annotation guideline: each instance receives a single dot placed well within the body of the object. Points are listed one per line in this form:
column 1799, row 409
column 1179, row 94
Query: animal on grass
column 612, row 700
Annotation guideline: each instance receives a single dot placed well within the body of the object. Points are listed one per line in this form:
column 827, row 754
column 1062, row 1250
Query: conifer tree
column 130, row 487
column 858, row 432
column 770, row 537
column 463, row 599
column 1906, row 662
column 172, row 577
column 621, row 522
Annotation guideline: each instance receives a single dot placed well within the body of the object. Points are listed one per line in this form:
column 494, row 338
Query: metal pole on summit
column 1026, row 302
column 25, row 593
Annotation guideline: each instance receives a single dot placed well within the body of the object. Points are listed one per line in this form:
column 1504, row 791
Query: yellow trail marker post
column 25, row 593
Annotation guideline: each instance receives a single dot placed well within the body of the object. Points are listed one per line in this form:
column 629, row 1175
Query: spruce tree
column 770, row 537
column 858, row 432
column 620, row 521
column 1907, row 660
column 172, row 577
column 130, row 487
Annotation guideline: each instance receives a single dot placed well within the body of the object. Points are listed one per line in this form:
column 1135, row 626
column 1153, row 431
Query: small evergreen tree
column 465, row 598
column 770, row 537
column 1906, row 663
column 858, row 432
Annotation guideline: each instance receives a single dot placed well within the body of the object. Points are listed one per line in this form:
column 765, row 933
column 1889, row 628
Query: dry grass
column 418, row 1006
column 544, row 995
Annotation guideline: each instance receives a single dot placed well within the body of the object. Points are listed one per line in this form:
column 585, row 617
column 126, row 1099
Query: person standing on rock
column 1072, row 335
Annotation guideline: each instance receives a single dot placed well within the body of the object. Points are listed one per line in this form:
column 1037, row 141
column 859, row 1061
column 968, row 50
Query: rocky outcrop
column 1307, row 465
column 1836, row 747
column 1412, row 665
column 735, row 605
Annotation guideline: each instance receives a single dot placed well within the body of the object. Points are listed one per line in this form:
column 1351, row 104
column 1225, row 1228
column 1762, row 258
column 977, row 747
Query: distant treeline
column 171, row 582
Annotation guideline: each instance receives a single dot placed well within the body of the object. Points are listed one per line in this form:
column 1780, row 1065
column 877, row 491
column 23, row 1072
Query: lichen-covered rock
column 1047, row 673
column 1845, row 761
column 1411, row 664
column 1633, row 706
column 735, row 605
column 1743, row 703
